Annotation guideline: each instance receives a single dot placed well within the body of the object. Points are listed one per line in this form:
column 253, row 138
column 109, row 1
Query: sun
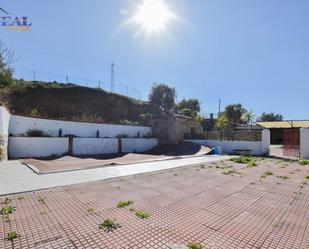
column 153, row 16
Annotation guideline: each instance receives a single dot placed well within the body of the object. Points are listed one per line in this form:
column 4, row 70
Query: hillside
column 71, row 102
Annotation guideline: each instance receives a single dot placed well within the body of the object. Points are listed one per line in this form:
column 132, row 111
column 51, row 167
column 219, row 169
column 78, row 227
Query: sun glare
column 153, row 16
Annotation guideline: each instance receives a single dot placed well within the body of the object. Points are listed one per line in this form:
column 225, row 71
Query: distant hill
column 71, row 102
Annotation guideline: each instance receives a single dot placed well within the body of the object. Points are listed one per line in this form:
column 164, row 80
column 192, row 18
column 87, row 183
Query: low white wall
column 19, row 125
column 228, row 147
column 304, row 143
column 22, row 147
column 95, row 146
column 138, row 144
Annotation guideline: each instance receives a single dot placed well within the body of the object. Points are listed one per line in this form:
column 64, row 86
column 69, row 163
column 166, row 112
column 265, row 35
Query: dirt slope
column 71, row 102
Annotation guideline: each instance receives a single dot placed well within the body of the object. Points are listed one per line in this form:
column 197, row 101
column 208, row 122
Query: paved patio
column 209, row 204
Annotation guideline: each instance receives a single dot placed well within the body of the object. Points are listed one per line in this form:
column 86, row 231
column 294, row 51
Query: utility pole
column 33, row 75
column 112, row 77
column 127, row 90
column 219, row 108
column 99, row 84
column 67, row 79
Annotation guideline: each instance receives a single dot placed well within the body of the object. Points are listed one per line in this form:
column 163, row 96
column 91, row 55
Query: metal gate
column 291, row 142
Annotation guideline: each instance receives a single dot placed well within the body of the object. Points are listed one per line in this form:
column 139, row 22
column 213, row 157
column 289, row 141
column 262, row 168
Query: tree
column 234, row 113
column 270, row 117
column 189, row 104
column 6, row 69
column 248, row 117
column 162, row 100
column 222, row 123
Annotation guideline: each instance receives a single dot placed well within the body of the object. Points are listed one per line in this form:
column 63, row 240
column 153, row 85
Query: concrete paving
column 215, row 205
column 16, row 177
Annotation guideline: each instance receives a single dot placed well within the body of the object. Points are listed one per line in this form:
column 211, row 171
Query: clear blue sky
column 255, row 52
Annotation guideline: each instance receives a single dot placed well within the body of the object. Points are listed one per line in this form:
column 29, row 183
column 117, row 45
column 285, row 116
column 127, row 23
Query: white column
column 304, row 143
column 265, row 142
column 4, row 132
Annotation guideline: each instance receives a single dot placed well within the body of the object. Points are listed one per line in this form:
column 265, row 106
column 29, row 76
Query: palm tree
column 222, row 123
column 248, row 117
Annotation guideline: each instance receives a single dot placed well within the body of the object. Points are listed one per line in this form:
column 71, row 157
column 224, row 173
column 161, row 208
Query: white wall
column 138, row 144
column 304, row 143
column 95, row 146
column 4, row 120
column 265, row 142
column 228, row 147
column 20, row 125
column 20, row 147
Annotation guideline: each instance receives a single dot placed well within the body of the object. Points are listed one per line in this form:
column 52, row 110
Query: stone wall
column 4, row 132
column 174, row 129
column 3, row 147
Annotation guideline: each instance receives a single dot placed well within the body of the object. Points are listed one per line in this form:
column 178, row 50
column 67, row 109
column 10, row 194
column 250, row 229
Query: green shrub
column 250, row 161
column 251, row 164
column 303, row 162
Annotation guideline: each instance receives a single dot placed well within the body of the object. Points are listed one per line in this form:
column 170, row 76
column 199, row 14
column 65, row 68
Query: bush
column 35, row 133
column 303, row 162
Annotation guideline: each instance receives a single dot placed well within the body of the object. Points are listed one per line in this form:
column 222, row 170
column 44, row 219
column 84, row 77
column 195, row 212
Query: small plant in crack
column 109, row 225
column 284, row 177
column 90, row 210
column 42, row 199
column 192, row 245
column 307, row 177
column 6, row 201
column 12, row 235
column 276, row 226
column 267, row 173
column 230, row 172
column 7, row 210
column 20, row 198
column 139, row 213
column 251, row 164
column 304, row 183
column 124, row 203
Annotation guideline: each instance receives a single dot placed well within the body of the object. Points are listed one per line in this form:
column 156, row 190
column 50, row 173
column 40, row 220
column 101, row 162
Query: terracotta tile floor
column 193, row 204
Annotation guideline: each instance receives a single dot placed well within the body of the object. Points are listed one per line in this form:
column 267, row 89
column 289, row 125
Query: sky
column 253, row 52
